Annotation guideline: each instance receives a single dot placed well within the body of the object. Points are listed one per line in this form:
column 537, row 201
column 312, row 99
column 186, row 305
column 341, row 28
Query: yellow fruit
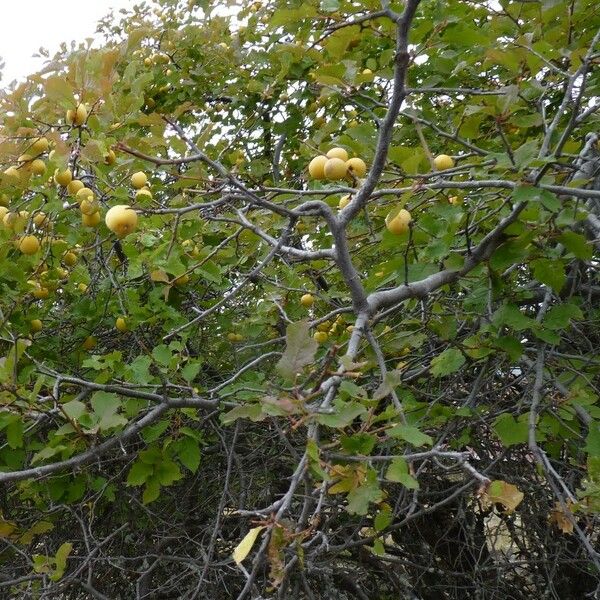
column 179, row 281
column 41, row 292
column 63, row 177
column 324, row 326
column 321, row 336
column 121, row 324
column 88, row 207
column 399, row 223
column 74, row 186
column 335, row 169
column 139, row 180
column 338, row 153
column 3, row 212
column 350, row 328
column 35, row 325
column 29, row 244
column 62, row 273
column 70, row 258
column 443, row 162
column 13, row 175
column 143, row 193
column 9, row 219
column 344, row 201
column 367, row 72
column 316, row 167
column 110, row 157
column 455, row 200
column 91, row 220
column 235, row 337
column 89, row 343
column 4, row 200
column 121, row 220
column 38, row 146
column 41, row 219
column 84, row 194
column 357, row 167
column 24, row 158
column 307, row 300
column 38, row 166
column 77, row 116
column 82, row 287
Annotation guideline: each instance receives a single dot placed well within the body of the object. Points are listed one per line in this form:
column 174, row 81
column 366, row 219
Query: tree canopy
column 224, row 375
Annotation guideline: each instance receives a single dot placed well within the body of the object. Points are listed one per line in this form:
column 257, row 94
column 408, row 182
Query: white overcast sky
column 25, row 25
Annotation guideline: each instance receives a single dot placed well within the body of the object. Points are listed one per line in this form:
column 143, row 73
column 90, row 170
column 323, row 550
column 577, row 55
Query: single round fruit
column 88, row 207
column 63, row 177
column 41, row 292
column 139, row 180
column 89, row 343
column 321, row 336
column 338, row 153
column 443, row 162
column 316, row 167
column 121, row 324
column 121, row 220
column 3, row 212
column 24, row 158
column 307, row 300
column 182, row 280
column 110, row 157
column 9, row 219
column 143, row 193
column 91, row 220
column 38, row 146
column 35, row 325
column 335, row 169
column 38, row 166
column 82, row 287
column 399, row 223
column 344, row 201
column 357, row 167
column 41, row 219
column 13, row 175
column 74, row 186
column 367, row 72
column 84, row 194
column 29, row 244
column 70, row 258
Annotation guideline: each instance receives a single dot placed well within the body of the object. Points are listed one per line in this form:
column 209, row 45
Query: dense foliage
column 238, row 389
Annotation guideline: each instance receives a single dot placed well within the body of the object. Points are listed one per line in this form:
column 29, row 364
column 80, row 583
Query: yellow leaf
column 560, row 518
column 6, row 528
column 159, row 275
column 243, row 548
column 504, row 493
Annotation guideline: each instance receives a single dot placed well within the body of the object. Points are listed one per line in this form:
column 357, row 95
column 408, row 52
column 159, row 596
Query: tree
column 229, row 387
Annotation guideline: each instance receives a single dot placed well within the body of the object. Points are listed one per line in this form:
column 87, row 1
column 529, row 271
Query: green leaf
column 300, row 350
column 105, row 406
column 61, row 561
column 549, row 272
column 510, row 431
column 592, row 441
column 383, row 518
column 14, row 434
column 410, row 434
column 398, row 472
column 74, row 409
column 188, row 452
column 559, row 316
column 139, row 473
column 577, row 244
column 359, row 443
column 162, row 355
column 151, row 491
column 449, row 361
column 360, row 497
column 168, row 472
column 345, row 413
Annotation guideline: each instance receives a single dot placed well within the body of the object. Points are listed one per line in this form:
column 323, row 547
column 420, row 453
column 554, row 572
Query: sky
column 27, row 25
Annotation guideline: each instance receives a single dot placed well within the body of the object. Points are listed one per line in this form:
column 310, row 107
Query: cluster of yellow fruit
column 326, row 329
column 28, row 162
column 77, row 116
column 139, row 181
column 336, row 165
column 235, row 337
